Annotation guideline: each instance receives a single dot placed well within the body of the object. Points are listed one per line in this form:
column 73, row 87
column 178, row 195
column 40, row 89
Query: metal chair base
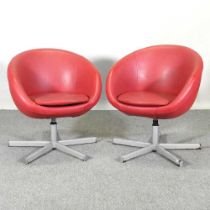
column 54, row 143
column 155, row 146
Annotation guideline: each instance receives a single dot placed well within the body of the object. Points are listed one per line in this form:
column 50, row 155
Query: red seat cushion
column 145, row 98
column 59, row 99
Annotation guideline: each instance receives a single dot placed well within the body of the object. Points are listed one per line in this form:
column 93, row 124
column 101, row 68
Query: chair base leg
column 38, row 153
column 166, row 154
column 47, row 146
column 181, row 146
column 155, row 146
column 80, row 141
column 146, row 150
column 71, row 152
column 27, row 143
column 130, row 142
column 137, row 153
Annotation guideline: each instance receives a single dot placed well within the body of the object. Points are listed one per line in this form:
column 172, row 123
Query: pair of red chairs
column 159, row 82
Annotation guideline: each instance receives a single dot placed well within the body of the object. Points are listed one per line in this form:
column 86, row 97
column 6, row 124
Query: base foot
column 150, row 147
column 47, row 146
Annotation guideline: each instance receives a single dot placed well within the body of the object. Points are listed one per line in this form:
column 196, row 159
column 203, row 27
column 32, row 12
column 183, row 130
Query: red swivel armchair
column 159, row 82
column 52, row 83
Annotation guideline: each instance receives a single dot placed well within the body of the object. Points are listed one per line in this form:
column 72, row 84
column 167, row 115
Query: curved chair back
column 40, row 72
column 170, row 71
column 52, row 70
column 163, row 68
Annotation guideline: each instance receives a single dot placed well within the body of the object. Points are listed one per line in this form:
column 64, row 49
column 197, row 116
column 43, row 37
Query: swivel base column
column 54, row 143
column 155, row 146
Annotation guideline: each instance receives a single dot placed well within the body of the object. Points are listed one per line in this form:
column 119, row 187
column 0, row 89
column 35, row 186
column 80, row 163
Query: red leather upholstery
column 145, row 98
column 158, row 82
column 59, row 99
column 46, row 83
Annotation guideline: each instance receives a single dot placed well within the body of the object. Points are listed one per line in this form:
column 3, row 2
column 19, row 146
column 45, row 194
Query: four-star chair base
column 48, row 146
column 155, row 146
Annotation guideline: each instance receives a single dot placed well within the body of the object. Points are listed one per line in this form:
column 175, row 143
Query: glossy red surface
column 41, row 72
column 145, row 98
column 171, row 75
column 59, row 99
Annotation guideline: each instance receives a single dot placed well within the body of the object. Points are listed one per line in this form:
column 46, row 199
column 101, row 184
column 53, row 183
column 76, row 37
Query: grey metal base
column 155, row 146
column 47, row 146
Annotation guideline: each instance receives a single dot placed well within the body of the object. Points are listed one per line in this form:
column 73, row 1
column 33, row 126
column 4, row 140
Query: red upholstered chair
column 159, row 82
column 51, row 83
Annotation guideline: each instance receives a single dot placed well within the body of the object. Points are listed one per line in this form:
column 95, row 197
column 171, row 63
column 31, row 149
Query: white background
column 103, row 31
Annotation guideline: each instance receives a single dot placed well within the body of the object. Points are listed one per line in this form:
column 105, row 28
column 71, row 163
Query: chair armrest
column 20, row 97
column 185, row 99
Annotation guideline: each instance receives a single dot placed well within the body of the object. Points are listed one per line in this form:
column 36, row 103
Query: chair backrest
column 162, row 68
column 53, row 70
